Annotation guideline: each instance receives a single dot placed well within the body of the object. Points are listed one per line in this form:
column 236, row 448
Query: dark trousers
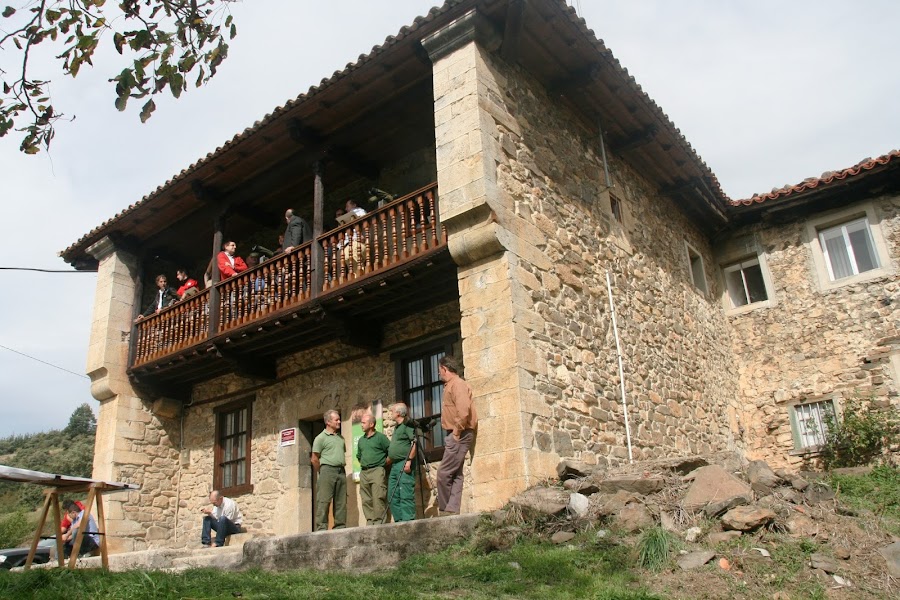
column 87, row 545
column 222, row 526
column 331, row 485
column 450, row 473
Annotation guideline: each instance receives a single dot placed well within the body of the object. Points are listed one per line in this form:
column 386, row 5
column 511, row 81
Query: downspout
column 612, row 310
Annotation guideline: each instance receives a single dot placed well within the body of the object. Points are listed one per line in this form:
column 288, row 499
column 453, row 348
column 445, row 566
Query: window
column 419, row 385
column 745, row 283
column 809, row 423
column 849, row 249
column 615, row 207
column 695, row 265
column 232, row 453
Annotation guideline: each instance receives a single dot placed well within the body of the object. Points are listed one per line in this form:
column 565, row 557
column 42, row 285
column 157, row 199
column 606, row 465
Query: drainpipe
column 612, row 310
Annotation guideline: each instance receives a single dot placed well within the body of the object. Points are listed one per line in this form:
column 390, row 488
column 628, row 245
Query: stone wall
column 809, row 344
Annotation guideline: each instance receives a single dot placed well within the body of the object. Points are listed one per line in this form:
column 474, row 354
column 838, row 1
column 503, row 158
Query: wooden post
column 101, row 529
column 317, row 257
column 218, row 226
column 135, row 311
column 58, row 529
column 40, row 528
column 83, row 525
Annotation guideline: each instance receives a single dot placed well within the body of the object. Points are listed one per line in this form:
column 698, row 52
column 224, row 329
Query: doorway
column 309, row 429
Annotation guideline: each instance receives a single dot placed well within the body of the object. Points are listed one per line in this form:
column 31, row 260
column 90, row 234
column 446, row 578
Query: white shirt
column 229, row 509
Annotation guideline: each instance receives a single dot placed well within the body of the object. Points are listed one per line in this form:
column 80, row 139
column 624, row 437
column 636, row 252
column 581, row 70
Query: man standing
column 459, row 420
column 91, row 539
column 164, row 297
column 328, row 460
column 224, row 518
column 401, row 458
column 229, row 264
column 188, row 286
column 371, row 452
column 297, row 231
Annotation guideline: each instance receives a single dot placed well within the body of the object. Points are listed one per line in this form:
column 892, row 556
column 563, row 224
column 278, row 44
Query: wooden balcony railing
column 381, row 239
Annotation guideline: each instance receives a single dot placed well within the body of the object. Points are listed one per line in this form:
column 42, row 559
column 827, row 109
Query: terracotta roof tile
column 827, row 178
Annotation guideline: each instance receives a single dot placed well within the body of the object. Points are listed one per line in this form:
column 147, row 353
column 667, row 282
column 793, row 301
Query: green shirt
column 371, row 451
column 404, row 434
column 330, row 448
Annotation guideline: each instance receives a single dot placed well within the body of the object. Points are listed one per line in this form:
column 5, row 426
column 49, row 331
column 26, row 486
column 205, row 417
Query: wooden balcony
column 346, row 284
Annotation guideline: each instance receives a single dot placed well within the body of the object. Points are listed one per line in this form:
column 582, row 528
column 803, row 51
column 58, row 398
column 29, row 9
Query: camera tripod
column 420, row 426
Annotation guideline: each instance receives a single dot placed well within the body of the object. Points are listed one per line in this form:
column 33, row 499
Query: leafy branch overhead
column 168, row 45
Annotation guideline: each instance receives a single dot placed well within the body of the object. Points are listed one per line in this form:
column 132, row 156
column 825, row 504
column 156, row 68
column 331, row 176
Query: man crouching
column 224, row 518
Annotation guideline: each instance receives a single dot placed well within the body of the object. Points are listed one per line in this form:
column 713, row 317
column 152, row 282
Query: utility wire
column 45, row 362
column 43, row 270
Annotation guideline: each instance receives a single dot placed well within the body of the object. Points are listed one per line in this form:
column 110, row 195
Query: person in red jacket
column 229, row 264
column 187, row 283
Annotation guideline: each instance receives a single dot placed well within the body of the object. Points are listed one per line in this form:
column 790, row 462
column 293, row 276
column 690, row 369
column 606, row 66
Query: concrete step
column 218, row 558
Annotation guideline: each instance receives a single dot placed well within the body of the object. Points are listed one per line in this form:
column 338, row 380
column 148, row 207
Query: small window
column 615, row 206
column 695, row 264
column 809, row 423
column 232, row 453
column 745, row 283
column 849, row 249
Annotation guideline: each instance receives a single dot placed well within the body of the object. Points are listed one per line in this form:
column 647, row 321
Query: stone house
column 545, row 222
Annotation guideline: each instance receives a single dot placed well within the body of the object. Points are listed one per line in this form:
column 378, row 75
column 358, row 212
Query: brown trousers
column 450, row 473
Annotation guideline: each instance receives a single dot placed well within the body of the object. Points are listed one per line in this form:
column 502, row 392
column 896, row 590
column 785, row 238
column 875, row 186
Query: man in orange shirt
column 459, row 420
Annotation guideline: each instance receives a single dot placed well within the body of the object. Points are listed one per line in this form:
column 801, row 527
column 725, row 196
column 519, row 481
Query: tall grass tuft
column 655, row 547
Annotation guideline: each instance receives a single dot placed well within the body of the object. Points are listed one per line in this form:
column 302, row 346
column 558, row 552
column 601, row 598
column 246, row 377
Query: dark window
column 615, row 206
column 233, row 434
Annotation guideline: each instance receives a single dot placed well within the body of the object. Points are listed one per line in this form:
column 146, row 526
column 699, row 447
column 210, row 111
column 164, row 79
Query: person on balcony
column 164, row 297
column 189, row 286
column 224, row 518
column 229, row 264
column 297, row 231
column 352, row 248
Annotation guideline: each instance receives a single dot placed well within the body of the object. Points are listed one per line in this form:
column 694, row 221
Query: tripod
column 420, row 426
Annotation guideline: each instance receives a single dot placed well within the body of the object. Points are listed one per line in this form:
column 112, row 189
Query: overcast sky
column 768, row 93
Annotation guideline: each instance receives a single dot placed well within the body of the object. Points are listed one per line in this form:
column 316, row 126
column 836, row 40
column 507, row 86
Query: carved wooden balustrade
column 177, row 327
column 380, row 240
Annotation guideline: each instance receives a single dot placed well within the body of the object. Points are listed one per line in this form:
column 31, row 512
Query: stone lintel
column 470, row 27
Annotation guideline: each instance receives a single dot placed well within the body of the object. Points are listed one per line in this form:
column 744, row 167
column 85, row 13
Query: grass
column 877, row 492
column 655, row 548
column 529, row 569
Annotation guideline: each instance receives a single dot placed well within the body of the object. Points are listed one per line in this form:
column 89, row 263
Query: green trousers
column 403, row 500
column 331, row 485
column 373, row 490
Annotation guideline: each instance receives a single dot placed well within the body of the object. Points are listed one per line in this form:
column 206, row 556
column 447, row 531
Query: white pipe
column 612, row 310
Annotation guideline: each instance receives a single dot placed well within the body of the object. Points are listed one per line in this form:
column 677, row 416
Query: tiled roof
column 826, row 179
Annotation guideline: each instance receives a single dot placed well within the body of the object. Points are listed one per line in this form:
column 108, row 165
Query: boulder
column 634, row 484
column 713, row 484
column 714, row 509
column 578, row 505
column 586, row 486
column 667, row 521
column 634, row 517
column 789, row 494
column 721, row 537
column 693, row 560
column 747, row 518
column 573, row 469
column 612, row 505
column 801, row 526
column 561, row 537
column 818, row 492
column 692, row 535
column 891, row 555
column 762, row 478
column 542, row 500
column 823, row 562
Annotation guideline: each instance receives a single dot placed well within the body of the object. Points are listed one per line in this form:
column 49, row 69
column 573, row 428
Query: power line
column 43, row 270
column 45, row 362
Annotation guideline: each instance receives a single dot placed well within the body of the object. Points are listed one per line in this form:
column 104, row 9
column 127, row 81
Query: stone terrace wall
column 843, row 343
column 674, row 337
column 311, row 382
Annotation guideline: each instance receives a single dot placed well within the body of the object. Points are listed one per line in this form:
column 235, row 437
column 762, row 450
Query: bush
column 862, row 436
column 15, row 529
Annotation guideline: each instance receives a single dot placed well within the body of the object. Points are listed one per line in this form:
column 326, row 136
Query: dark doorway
column 309, row 429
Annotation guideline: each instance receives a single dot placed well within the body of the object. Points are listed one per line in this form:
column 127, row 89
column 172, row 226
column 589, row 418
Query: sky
column 767, row 92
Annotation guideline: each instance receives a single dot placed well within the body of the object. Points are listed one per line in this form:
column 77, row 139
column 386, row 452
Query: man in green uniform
column 401, row 458
column 329, row 459
column 371, row 452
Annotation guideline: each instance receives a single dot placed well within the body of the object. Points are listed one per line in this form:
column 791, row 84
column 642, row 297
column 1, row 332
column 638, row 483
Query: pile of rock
column 681, row 494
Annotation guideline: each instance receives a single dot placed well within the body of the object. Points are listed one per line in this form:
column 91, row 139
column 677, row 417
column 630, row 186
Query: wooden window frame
column 221, row 413
column 824, row 405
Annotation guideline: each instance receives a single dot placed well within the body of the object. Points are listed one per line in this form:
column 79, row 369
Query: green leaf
column 148, row 109
column 176, row 84
column 52, row 15
column 233, row 31
column 9, row 11
column 118, row 41
column 121, row 102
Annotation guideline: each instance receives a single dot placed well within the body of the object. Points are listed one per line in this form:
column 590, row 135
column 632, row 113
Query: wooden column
column 318, row 253
column 137, row 309
column 218, row 226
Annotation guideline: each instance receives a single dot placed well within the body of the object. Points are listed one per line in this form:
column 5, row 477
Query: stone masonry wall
column 811, row 344
column 674, row 337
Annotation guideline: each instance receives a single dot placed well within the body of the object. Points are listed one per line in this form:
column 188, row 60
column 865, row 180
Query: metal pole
column 612, row 310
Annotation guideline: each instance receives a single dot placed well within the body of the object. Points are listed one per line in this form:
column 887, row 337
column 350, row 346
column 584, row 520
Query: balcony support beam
column 318, row 254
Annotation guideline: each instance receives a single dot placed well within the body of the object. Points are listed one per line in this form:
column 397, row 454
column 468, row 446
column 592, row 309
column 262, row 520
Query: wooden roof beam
column 512, row 31
column 575, row 81
column 313, row 141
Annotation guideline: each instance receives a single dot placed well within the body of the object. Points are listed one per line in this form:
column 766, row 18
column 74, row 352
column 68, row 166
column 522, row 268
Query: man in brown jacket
column 459, row 420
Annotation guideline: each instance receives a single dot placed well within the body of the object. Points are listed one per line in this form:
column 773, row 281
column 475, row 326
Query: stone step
column 218, row 558
column 237, row 540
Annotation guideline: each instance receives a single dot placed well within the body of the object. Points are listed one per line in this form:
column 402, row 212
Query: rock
column 841, row 552
column 801, row 526
column 542, row 500
column 797, row 482
column 667, row 521
column 891, row 555
column 762, row 478
column 693, row 534
column 578, row 505
column 721, row 537
column 763, row 552
column 586, row 486
column 693, row 560
column 515, row 565
column 713, row 484
column 688, row 464
column 634, row 484
column 561, row 537
column 825, row 563
column 616, row 503
column 602, row 533
column 781, row 596
column 789, row 494
column 747, row 518
column 714, row 509
column 573, row 469
column 818, row 492
column 634, row 517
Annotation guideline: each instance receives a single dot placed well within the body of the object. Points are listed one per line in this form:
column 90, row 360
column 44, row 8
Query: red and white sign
column 289, row 436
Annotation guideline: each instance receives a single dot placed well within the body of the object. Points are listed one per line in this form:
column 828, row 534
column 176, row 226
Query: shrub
column 15, row 529
column 862, row 436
